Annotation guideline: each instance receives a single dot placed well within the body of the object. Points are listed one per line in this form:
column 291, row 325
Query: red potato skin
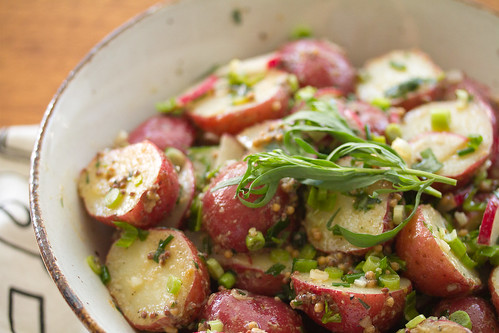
column 206, row 86
column 352, row 311
column 271, row 315
column 482, row 316
column 167, row 188
column 165, row 131
column 318, row 63
column 427, row 266
column 233, row 122
column 227, row 220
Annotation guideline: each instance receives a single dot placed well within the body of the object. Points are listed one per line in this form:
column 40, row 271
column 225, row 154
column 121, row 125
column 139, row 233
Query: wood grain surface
column 42, row 40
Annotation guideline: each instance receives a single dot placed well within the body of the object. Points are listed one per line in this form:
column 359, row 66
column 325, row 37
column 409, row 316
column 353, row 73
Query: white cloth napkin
column 30, row 300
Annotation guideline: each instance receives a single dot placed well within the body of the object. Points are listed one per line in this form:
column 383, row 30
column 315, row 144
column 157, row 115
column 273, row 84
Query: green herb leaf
column 329, row 316
column 429, row 162
column 401, row 90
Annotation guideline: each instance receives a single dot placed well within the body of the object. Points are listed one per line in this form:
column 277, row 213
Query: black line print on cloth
column 19, row 311
column 22, row 220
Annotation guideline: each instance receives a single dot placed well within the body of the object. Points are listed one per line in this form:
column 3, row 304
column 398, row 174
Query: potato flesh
column 370, row 222
column 139, row 284
column 222, row 101
column 137, row 164
column 473, row 118
column 381, row 74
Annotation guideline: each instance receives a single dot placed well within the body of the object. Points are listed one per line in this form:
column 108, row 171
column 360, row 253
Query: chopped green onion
column 350, row 278
column 398, row 214
column 415, row 321
column 440, row 119
column 304, row 265
column 474, row 140
column 293, row 83
column 113, row 198
column 94, row 264
column 216, row 325
column 129, row 234
column 228, row 279
column 161, row 247
column 379, row 139
column 255, row 240
column 470, row 205
column 462, row 318
column 173, row 285
column 371, row 263
column 138, row 180
column 398, row 65
column 214, row 268
column 279, row 255
column 305, row 94
column 393, row 131
column 382, row 103
column 301, row 31
column 334, row 272
column 307, row 252
column 391, row 281
column 340, row 284
column 105, row 277
column 322, row 199
column 169, row 106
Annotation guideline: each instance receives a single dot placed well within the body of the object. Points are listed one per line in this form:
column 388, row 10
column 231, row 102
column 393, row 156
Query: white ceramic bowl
column 167, row 48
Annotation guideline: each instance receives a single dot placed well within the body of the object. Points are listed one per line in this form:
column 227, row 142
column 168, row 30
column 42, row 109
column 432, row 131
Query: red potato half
column 431, row 265
column 466, row 119
column 251, row 268
column 227, row 220
column 373, row 221
column 382, row 78
column 440, row 325
column 240, row 311
column 318, row 63
column 359, row 308
column 494, row 287
column 142, row 288
column 226, row 110
column 482, row 316
column 165, row 131
column 136, row 184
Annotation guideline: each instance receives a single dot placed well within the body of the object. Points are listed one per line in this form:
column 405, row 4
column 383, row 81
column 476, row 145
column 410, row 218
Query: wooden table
column 42, row 40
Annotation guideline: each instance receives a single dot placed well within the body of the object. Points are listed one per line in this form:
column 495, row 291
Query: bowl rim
column 48, row 257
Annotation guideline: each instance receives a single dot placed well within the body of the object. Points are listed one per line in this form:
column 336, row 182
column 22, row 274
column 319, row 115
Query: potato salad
column 294, row 192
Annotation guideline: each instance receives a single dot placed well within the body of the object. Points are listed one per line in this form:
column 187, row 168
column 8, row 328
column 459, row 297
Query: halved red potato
column 136, row 184
column 165, row 131
column 318, row 63
column 489, row 228
column 158, row 295
column 227, row 220
column 233, row 107
column 440, row 325
column 371, row 221
column 482, row 315
column 357, row 308
column 252, row 271
column 242, row 311
column 470, row 118
column 430, row 263
column 494, row 287
column 407, row 78
column 187, row 182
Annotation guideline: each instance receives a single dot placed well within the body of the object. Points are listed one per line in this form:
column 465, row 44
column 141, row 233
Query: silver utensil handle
column 18, row 141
